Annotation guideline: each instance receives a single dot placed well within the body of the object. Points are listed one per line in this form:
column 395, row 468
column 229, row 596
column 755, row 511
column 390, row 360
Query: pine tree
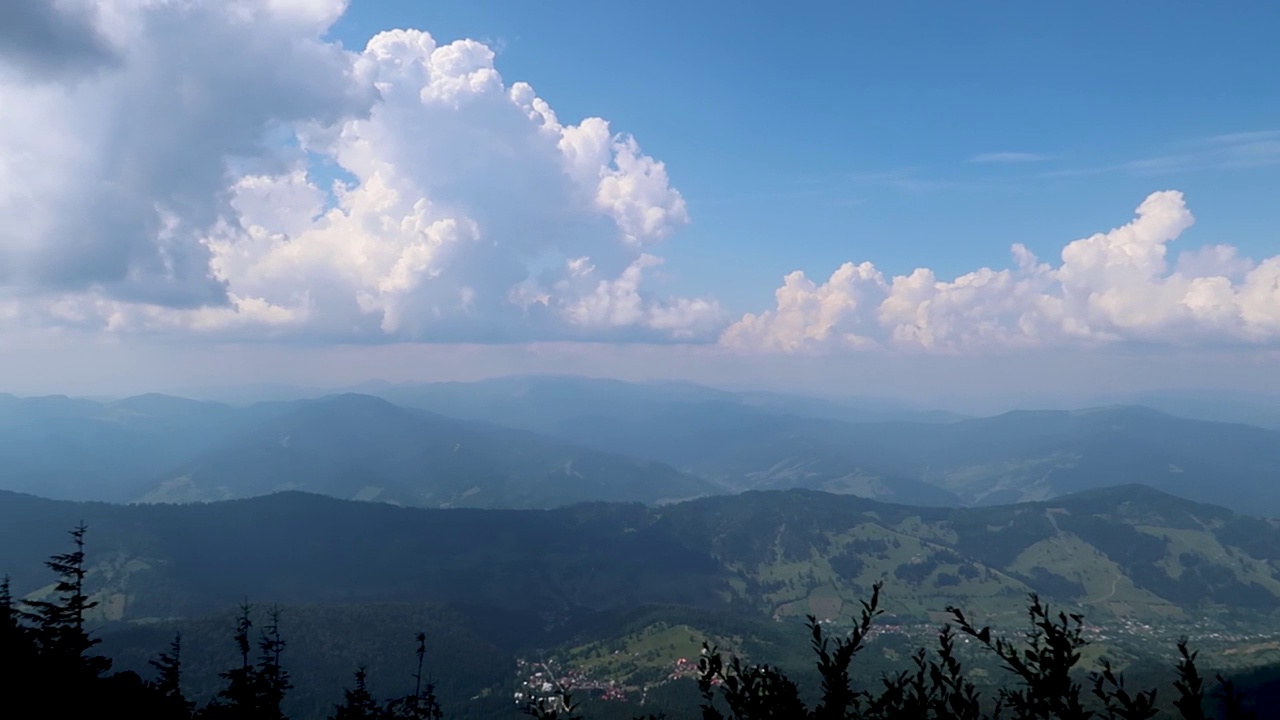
column 18, row 656
column 358, row 704
column 60, row 632
column 169, row 668
column 422, row 704
column 12, row 634
column 272, row 678
column 239, row 699
column 254, row 691
column 49, row 650
column 168, row 683
column 8, row 613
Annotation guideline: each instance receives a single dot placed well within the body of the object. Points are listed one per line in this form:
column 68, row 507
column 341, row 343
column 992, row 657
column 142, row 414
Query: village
column 540, row 680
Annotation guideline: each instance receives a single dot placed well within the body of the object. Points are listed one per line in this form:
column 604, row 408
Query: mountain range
column 1128, row 551
column 542, row 442
column 162, row 449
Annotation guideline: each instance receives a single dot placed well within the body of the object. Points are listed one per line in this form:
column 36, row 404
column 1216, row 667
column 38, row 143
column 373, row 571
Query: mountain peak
column 352, row 400
column 1137, row 411
column 151, row 402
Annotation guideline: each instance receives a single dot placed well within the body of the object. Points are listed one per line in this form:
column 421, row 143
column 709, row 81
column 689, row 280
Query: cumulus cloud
column 1113, row 286
column 224, row 168
column 108, row 182
column 182, row 188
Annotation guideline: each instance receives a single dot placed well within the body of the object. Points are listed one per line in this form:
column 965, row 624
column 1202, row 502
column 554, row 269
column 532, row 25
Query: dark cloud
column 113, row 180
column 46, row 38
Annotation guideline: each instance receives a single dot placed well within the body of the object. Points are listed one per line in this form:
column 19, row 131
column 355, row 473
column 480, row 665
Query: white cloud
column 109, row 178
column 174, row 189
column 169, row 167
column 1108, row 287
column 618, row 302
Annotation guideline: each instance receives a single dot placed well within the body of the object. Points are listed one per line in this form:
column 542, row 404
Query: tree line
column 48, row 666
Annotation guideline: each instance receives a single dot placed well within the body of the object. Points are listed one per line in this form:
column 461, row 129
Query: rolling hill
column 621, row 591
column 1125, row 552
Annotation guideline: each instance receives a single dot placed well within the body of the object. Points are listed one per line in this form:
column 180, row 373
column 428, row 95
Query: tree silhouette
column 1042, row 665
column 168, row 683
column 1190, row 686
column 15, row 640
column 239, row 697
column 59, row 631
column 169, row 668
column 422, row 704
column 20, row 673
column 272, row 678
column 358, row 703
column 253, row 691
column 46, row 662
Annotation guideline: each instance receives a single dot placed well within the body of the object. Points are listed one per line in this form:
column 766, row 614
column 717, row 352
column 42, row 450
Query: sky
column 932, row 200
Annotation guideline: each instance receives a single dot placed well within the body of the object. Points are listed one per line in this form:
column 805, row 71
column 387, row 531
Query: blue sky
column 804, row 135
column 900, row 197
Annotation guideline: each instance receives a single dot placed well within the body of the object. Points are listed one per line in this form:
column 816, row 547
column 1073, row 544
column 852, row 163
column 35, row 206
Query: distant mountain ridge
column 538, row 441
column 365, row 448
column 540, row 402
column 161, row 449
column 748, row 441
column 1017, row 456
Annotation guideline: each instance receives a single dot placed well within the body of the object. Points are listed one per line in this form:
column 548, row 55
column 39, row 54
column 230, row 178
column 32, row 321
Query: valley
column 480, row 359
column 601, row 548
